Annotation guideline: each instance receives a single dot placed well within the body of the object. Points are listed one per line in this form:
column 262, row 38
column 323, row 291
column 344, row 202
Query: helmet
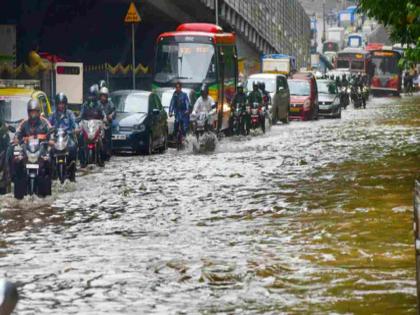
column 255, row 85
column 93, row 90
column 61, row 98
column 261, row 85
column 204, row 88
column 240, row 85
column 33, row 105
column 102, row 84
column 104, row 91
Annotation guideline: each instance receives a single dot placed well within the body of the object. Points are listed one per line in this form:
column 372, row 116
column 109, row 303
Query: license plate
column 119, row 137
column 32, row 166
column 295, row 109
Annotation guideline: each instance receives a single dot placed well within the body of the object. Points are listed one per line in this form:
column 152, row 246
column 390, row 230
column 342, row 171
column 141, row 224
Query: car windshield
column 14, row 108
column 299, row 88
column 185, row 62
column 343, row 64
column 131, row 103
column 327, row 87
column 270, row 83
column 385, row 66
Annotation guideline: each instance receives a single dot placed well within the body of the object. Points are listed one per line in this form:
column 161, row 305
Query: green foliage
column 403, row 19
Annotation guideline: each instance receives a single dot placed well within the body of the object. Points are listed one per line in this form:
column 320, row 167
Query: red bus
column 386, row 75
column 354, row 60
column 197, row 54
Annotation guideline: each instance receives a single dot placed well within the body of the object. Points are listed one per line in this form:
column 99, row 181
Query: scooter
column 238, row 120
column 92, row 133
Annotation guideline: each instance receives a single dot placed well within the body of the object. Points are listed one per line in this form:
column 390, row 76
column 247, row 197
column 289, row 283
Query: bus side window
column 43, row 102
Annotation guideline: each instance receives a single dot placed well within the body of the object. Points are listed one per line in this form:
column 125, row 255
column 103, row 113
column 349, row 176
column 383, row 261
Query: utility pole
column 133, row 17
column 216, row 10
column 323, row 22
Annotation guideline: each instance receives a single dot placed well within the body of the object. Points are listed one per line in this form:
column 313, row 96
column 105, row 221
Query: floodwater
column 313, row 217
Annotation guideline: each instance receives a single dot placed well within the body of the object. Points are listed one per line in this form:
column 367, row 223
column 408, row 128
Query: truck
column 8, row 45
column 336, row 34
column 278, row 63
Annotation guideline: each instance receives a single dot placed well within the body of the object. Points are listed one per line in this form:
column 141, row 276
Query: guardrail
column 417, row 238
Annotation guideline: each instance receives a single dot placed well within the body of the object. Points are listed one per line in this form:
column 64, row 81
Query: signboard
column 132, row 15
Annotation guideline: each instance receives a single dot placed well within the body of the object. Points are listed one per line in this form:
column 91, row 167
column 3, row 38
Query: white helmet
column 104, row 91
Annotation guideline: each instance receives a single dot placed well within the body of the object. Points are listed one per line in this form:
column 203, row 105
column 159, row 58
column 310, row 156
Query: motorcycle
column 238, row 120
column 5, row 186
column 344, row 97
column 257, row 117
column 32, row 168
column 356, row 96
column 92, row 133
column 206, row 139
column 63, row 166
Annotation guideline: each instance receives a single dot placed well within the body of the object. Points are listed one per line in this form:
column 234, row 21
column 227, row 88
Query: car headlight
column 307, row 105
column 140, row 127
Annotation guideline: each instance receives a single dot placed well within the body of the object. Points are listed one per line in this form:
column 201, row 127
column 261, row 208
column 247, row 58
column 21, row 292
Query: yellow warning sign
column 133, row 15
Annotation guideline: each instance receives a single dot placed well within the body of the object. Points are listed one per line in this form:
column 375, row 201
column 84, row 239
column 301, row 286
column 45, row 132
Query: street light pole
column 134, row 55
column 216, row 8
column 323, row 21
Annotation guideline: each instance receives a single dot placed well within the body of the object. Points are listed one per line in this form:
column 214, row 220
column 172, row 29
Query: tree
column 403, row 19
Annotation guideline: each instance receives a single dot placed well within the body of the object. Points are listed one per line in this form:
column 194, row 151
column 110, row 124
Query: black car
column 140, row 124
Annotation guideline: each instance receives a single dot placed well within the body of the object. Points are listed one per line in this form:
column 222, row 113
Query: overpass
column 92, row 31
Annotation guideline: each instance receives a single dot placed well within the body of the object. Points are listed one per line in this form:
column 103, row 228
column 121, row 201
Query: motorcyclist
column 239, row 99
column 91, row 110
column 265, row 94
column 63, row 118
column 256, row 97
column 344, row 81
column 204, row 104
column 180, row 106
column 38, row 127
column 4, row 144
column 109, row 110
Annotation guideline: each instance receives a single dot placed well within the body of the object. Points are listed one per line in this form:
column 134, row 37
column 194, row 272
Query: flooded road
column 313, row 217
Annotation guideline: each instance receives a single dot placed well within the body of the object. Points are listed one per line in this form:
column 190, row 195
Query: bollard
column 417, row 238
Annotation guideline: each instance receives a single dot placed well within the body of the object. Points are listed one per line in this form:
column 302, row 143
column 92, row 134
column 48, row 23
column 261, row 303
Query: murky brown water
column 313, row 217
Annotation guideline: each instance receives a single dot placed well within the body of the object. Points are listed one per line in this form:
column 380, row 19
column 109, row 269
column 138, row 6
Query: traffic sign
column 133, row 15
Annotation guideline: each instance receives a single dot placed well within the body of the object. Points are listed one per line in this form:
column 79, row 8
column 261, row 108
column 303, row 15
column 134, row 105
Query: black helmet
column 61, row 98
column 261, row 85
column 254, row 85
column 205, row 89
column 240, row 87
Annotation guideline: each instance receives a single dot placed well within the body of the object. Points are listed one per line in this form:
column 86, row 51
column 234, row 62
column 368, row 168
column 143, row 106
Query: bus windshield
column 185, row 62
column 385, row 65
column 343, row 64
